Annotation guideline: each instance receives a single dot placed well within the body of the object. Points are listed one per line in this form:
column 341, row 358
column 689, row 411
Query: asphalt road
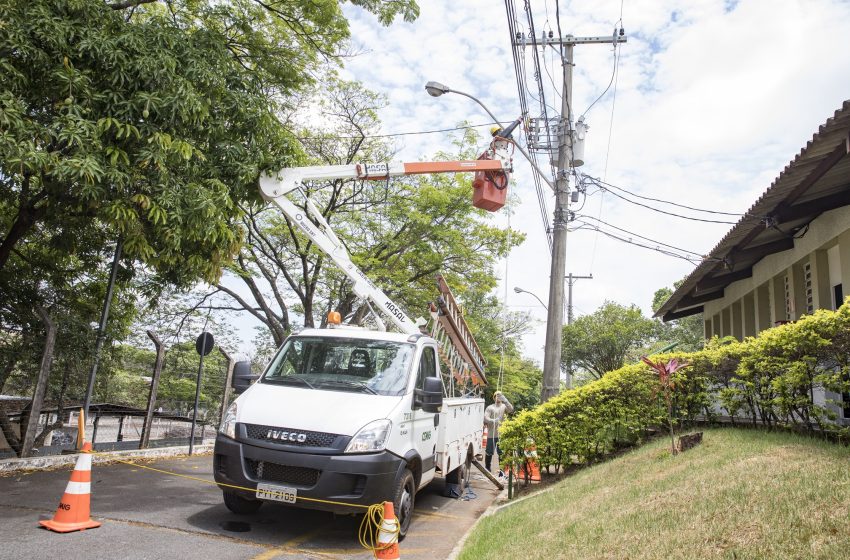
column 148, row 515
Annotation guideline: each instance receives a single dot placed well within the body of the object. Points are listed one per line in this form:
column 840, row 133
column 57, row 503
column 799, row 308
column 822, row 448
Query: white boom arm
column 275, row 187
column 326, row 239
column 458, row 348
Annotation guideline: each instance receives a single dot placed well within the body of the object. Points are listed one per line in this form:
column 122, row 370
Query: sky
column 712, row 98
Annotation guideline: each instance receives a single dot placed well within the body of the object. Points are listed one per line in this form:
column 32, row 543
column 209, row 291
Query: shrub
column 768, row 380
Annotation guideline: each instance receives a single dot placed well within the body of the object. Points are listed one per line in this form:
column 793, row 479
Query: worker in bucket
column 493, row 417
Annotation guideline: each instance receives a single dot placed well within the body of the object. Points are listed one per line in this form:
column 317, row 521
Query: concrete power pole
column 571, row 279
column 555, row 318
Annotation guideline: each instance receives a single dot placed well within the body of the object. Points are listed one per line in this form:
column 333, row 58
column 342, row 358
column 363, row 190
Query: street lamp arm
column 436, row 89
column 521, row 291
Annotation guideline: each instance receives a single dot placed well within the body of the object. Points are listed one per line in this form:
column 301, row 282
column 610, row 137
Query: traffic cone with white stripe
column 73, row 513
column 387, row 548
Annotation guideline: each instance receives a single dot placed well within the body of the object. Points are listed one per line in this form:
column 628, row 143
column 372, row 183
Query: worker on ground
column 493, row 417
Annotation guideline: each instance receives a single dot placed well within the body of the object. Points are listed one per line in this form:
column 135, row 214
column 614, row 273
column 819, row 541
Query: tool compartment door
column 461, row 425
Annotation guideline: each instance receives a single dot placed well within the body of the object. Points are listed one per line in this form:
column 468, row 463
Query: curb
column 497, row 504
column 53, row 461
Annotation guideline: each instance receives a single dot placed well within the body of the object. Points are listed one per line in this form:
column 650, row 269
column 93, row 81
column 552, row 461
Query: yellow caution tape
column 369, row 527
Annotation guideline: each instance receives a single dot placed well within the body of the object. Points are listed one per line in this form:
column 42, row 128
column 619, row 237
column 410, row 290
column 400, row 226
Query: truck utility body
column 346, row 417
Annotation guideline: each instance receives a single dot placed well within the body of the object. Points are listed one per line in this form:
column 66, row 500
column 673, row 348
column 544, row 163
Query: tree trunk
column 60, row 402
column 40, row 385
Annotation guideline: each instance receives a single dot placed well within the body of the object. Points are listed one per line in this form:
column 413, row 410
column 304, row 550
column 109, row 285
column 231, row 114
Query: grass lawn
column 741, row 494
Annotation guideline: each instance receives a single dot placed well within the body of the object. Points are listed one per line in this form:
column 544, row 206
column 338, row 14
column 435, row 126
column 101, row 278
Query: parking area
column 147, row 514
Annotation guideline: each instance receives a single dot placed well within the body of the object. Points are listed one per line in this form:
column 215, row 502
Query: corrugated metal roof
column 816, row 180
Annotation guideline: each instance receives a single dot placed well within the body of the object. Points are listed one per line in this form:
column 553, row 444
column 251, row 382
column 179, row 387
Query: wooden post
column 120, row 428
column 81, row 429
column 94, row 429
column 228, row 378
column 40, row 384
column 157, row 370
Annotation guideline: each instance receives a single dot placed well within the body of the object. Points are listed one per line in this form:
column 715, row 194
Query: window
column 342, row 364
column 807, row 280
column 427, row 366
column 789, row 304
column 837, row 296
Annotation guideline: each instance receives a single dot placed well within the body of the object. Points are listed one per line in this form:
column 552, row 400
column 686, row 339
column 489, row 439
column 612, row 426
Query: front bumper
column 352, row 479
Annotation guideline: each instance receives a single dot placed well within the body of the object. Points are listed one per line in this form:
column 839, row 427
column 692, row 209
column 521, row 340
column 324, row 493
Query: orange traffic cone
column 533, row 473
column 73, row 513
column 388, row 535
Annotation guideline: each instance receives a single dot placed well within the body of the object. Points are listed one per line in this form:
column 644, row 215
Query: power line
column 660, row 211
column 522, row 89
column 641, row 236
column 610, row 82
column 466, row 127
column 656, row 248
column 598, row 182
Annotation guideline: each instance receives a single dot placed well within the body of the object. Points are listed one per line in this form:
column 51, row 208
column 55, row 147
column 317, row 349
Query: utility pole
column 571, row 279
column 555, row 317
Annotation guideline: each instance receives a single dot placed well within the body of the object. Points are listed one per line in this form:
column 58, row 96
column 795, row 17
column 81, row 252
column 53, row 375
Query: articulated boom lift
column 458, row 349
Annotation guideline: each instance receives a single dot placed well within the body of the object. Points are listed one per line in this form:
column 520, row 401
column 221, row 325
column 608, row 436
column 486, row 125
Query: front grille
column 313, row 439
column 274, row 472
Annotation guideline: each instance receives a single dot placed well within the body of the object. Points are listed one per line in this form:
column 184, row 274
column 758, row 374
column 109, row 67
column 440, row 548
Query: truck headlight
column 371, row 437
column 228, row 425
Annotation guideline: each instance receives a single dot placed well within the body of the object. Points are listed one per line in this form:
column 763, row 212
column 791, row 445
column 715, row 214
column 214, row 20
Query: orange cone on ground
column 388, row 535
column 530, row 469
column 73, row 513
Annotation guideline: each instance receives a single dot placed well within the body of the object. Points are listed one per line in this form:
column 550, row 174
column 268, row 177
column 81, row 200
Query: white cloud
column 713, row 99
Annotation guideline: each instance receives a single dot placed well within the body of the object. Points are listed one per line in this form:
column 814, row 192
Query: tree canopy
column 602, row 341
column 687, row 332
column 143, row 122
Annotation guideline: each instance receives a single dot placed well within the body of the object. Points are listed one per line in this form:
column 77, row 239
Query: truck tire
column 404, row 496
column 460, row 475
column 238, row 504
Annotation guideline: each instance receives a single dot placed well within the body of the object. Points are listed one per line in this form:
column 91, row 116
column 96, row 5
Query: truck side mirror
column 430, row 397
column 242, row 376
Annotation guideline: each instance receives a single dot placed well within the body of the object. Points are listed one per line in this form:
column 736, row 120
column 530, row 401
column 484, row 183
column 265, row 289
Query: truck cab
column 344, row 418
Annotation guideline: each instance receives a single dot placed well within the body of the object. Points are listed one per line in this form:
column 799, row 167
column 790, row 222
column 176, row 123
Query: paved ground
column 151, row 515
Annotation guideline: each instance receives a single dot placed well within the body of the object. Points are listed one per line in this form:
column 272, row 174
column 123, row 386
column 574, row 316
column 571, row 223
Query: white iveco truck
column 354, row 416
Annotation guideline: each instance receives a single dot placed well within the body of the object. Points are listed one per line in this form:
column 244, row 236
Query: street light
column 436, row 89
column 554, row 320
column 521, row 291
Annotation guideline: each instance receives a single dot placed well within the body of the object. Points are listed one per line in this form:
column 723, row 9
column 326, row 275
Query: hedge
column 768, row 380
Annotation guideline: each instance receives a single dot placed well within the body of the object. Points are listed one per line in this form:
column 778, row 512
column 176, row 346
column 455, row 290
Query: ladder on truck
column 457, row 347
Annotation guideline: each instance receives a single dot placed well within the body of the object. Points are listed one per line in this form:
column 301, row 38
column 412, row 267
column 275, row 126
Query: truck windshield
column 376, row 367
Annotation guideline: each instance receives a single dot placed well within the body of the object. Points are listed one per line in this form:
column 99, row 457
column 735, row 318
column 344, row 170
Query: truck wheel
column 405, row 493
column 238, row 504
column 460, row 475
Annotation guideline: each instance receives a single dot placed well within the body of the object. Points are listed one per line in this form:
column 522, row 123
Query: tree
column 602, row 341
column 688, row 332
column 147, row 122
column 401, row 233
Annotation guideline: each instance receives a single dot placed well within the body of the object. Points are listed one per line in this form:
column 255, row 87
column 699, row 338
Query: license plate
column 276, row 493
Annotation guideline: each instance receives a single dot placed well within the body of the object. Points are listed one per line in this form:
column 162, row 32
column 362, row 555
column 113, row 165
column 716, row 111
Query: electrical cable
column 522, row 89
column 597, row 229
column 412, row 133
column 600, row 183
column 648, row 207
column 610, row 82
column 701, row 255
